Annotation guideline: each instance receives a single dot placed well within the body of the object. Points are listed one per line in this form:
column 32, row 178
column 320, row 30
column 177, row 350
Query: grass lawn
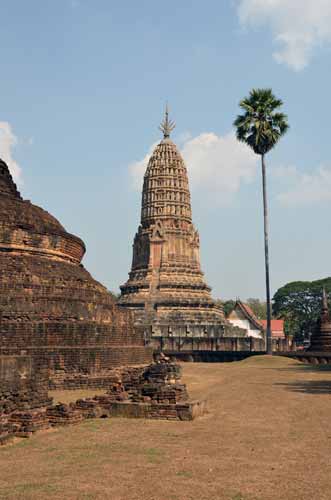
column 267, row 436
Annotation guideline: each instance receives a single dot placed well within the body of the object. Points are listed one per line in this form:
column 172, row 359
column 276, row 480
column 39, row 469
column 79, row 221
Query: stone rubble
column 152, row 392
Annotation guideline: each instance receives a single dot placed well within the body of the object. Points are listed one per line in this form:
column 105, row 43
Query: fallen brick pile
column 6, row 430
column 26, row 423
column 158, row 383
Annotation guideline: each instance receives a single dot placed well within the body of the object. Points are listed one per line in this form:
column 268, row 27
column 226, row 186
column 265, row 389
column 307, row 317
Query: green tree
column 299, row 304
column 260, row 127
column 228, row 306
column 258, row 307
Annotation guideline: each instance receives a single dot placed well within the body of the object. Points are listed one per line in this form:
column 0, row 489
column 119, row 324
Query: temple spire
column 167, row 125
column 321, row 337
column 325, row 307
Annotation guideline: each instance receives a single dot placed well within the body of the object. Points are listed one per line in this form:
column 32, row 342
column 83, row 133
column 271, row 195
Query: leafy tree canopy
column 258, row 307
column 299, row 304
column 227, row 305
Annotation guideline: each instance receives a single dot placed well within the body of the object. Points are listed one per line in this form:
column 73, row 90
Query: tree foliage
column 258, row 307
column 261, row 126
column 228, row 306
column 299, row 304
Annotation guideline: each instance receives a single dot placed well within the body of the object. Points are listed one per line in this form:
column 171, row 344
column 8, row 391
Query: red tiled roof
column 277, row 327
column 276, row 324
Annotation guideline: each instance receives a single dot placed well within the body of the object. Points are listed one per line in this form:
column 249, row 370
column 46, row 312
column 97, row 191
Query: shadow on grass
column 309, row 386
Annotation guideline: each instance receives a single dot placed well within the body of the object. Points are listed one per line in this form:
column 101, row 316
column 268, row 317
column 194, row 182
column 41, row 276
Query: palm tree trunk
column 266, row 254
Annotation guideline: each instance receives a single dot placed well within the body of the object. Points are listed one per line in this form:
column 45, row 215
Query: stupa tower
column 50, row 306
column 166, row 286
column 321, row 337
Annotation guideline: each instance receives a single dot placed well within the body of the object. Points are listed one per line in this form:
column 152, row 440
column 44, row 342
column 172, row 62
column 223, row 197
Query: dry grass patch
column 262, row 440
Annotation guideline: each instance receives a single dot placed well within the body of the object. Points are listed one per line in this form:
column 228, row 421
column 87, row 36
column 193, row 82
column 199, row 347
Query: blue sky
column 83, row 87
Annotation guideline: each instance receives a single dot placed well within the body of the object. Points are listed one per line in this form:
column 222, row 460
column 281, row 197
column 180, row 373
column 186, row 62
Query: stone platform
column 309, row 357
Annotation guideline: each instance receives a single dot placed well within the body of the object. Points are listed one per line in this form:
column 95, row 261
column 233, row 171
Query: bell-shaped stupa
column 166, row 287
column 50, row 306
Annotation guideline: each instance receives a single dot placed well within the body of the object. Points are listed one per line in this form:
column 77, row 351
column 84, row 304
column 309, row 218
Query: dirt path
column 267, row 436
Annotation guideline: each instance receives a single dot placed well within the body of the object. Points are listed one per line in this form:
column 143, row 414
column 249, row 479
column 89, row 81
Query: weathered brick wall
column 23, row 395
column 92, row 367
column 23, row 383
column 55, row 309
column 26, row 227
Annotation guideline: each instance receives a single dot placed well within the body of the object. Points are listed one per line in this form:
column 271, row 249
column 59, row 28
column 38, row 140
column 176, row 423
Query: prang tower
column 166, row 286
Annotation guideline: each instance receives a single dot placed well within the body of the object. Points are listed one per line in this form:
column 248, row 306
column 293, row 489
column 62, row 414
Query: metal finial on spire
column 167, row 125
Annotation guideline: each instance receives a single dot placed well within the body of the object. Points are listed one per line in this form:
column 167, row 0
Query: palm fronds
column 261, row 126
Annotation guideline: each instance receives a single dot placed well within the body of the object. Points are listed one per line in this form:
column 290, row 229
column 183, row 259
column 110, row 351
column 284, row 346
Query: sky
column 83, row 88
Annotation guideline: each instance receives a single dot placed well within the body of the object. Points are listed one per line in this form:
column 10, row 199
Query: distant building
column 243, row 317
column 277, row 328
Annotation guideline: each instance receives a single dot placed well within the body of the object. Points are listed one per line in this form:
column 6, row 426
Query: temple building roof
column 277, row 325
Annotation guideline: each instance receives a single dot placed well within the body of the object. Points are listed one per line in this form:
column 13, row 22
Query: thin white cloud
column 217, row 165
column 285, row 172
column 299, row 27
column 306, row 188
column 7, row 142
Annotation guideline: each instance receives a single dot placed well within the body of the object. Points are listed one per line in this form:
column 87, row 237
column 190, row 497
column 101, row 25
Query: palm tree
column 260, row 127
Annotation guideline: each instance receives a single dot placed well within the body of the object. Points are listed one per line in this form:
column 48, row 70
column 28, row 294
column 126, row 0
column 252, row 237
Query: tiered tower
column 166, row 286
column 321, row 338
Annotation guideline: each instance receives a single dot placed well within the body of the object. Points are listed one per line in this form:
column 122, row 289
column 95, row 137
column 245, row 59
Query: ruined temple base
column 152, row 392
column 179, row 411
column 309, row 357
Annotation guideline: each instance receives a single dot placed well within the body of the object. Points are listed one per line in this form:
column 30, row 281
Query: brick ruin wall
column 152, row 392
column 23, row 388
column 56, row 311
